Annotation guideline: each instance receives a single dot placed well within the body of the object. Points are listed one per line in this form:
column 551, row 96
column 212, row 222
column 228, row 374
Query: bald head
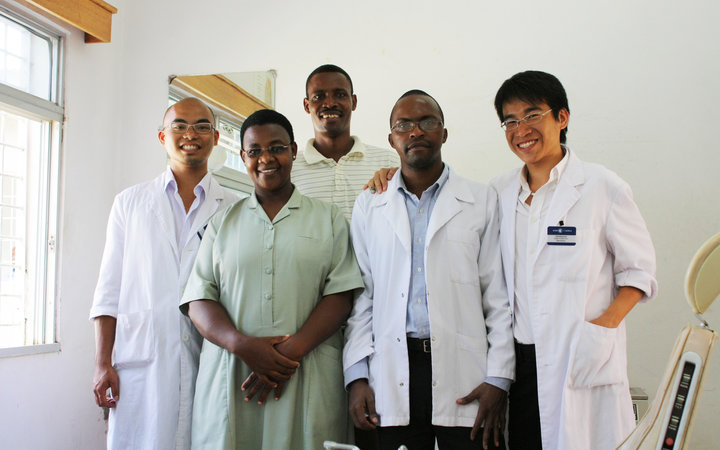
column 190, row 101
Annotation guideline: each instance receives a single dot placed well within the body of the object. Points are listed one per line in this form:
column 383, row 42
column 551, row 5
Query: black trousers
column 421, row 433
column 524, row 418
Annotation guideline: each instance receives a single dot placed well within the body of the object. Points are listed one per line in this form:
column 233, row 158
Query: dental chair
column 669, row 420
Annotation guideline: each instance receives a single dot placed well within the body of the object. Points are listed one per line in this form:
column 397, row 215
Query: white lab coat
column 156, row 352
column 583, row 390
column 470, row 322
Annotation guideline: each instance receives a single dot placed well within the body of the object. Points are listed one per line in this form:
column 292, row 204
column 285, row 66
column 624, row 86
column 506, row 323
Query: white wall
column 642, row 78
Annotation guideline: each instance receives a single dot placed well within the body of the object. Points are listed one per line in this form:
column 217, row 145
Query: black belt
column 418, row 345
column 524, row 352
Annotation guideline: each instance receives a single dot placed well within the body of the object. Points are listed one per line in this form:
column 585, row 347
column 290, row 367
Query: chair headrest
column 702, row 281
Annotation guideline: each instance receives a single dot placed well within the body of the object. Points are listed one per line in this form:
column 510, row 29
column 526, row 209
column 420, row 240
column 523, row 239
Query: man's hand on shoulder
column 379, row 182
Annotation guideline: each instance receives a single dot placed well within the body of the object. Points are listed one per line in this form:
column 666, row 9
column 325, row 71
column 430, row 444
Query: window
column 30, row 120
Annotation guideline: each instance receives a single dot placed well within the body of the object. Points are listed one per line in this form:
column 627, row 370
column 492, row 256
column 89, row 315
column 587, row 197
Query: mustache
column 415, row 142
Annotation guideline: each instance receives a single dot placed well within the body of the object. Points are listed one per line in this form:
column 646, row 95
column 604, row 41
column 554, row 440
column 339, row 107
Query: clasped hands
column 273, row 361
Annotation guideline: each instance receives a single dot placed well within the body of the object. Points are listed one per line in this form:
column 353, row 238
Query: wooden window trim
column 220, row 92
column 94, row 17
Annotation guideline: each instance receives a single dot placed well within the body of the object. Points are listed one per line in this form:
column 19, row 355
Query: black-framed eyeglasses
column 182, row 127
column 406, row 126
column 530, row 119
column 254, row 153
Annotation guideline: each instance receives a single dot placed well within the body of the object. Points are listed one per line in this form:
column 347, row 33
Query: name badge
column 562, row 235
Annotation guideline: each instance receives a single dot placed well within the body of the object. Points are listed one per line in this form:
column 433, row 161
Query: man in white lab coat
column 146, row 351
column 577, row 258
column 431, row 333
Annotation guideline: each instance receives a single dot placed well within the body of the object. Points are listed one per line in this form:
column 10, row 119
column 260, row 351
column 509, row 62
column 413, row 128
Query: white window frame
column 52, row 112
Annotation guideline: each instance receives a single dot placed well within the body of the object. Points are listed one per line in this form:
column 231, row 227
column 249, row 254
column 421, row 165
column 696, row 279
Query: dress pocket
column 134, row 339
column 595, row 361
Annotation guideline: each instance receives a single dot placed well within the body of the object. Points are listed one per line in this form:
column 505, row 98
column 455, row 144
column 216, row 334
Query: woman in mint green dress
column 271, row 286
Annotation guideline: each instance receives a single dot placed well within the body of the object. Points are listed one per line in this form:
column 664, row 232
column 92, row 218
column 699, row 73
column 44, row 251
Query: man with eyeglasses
column 146, row 357
column 577, row 258
column 335, row 165
column 429, row 350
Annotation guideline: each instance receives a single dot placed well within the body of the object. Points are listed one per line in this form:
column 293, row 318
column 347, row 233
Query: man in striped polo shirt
column 335, row 166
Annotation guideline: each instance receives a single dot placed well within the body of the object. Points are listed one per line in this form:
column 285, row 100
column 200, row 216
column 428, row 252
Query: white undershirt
column 529, row 239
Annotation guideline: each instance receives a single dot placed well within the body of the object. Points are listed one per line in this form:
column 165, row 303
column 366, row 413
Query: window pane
column 25, row 59
column 230, row 141
column 24, row 147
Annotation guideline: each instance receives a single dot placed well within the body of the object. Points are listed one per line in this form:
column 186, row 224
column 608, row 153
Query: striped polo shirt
column 342, row 181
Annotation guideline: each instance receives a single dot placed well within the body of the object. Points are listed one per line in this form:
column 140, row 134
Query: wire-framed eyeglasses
column 182, row 127
column 530, row 119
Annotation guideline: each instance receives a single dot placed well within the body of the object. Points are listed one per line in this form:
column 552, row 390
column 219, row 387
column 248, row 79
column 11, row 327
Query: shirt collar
column 555, row 173
column 312, row 156
column 200, row 189
column 433, row 188
column 293, row 202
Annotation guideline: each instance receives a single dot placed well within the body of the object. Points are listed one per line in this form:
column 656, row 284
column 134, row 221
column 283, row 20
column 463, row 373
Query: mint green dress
column 269, row 276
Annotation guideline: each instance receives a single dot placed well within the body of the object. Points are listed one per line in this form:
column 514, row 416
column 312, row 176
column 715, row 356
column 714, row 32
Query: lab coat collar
column 161, row 207
column 214, row 195
column 566, row 195
column 446, row 207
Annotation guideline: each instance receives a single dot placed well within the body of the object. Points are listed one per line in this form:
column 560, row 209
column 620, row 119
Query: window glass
column 25, row 59
column 28, row 182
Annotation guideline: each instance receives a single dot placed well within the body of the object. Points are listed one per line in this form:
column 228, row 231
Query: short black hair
column 265, row 117
column 327, row 68
column 417, row 92
column 533, row 86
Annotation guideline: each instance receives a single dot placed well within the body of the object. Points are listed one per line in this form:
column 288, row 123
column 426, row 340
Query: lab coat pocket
column 464, row 246
column 134, row 339
column 595, row 361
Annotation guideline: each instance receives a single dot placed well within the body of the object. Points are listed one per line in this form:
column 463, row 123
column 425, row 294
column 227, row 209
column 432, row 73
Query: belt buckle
column 426, row 345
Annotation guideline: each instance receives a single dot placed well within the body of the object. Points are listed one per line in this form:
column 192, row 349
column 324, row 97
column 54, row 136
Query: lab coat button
column 268, row 270
column 267, row 296
column 434, row 383
column 433, row 338
column 398, row 339
column 402, row 384
column 185, row 337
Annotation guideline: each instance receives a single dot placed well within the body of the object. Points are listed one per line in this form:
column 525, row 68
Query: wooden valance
column 94, row 17
column 220, row 92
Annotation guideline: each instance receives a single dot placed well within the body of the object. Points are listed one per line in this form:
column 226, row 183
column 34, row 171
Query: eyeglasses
column 407, row 126
column 182, row 127
column 254, row 153
column 530, row 119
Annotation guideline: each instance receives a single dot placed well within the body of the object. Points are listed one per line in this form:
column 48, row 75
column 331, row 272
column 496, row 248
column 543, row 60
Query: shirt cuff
column 502, row 383
column 357, row 371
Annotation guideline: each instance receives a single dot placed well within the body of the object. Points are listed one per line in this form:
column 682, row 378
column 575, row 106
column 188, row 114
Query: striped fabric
column 340, row 182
